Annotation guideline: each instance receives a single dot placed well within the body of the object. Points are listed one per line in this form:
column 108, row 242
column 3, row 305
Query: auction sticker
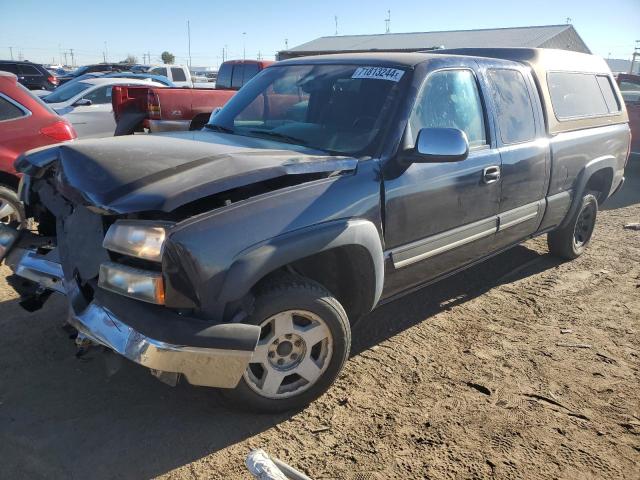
column 379, row 73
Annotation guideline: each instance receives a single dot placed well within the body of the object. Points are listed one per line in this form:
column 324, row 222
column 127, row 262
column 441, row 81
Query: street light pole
column 189, row 36
column 244, row 45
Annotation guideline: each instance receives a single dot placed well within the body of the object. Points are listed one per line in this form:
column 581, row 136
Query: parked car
column 98, row 67
column 87, row 104
column 31, row 75
column 138, row 109
column 240, row 256
column 25, row 123
column 629, row 85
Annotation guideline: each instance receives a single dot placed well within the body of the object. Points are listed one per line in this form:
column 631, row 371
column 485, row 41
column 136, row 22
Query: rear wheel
column 11, row 209
column 570, row 242
column 304, row 343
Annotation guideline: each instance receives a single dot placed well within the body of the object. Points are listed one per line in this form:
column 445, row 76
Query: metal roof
column 548, row 36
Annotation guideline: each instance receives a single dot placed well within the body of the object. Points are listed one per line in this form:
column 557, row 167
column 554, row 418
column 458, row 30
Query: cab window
column 178, row 74
column 159, row 71
column 450, row 99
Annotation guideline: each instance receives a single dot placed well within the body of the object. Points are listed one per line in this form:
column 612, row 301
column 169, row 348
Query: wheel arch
column 597, row 175
column 9, row 180
column 345, row 256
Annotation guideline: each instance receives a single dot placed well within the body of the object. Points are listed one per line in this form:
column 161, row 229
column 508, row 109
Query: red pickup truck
column 137, row 109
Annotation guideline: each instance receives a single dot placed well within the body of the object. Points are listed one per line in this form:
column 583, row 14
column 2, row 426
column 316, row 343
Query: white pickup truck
column 180, row 76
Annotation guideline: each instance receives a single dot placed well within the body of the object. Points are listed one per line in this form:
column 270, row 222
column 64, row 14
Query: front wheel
column 304, row 343
column 11, row 209
column 570, row 241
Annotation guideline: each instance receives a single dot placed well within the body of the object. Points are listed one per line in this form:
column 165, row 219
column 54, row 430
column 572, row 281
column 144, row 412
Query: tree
column 167, row 57
column 131, row 59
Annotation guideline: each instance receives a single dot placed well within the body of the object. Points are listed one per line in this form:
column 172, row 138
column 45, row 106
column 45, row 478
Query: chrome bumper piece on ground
column 211, row 367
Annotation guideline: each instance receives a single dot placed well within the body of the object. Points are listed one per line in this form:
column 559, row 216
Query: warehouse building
column 547, row 36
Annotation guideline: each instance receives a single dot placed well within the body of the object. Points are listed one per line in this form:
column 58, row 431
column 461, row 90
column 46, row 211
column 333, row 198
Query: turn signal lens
column 132, row 282
column 136, row 239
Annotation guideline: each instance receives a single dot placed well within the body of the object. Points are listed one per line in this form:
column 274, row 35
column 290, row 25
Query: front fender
column 254, row 263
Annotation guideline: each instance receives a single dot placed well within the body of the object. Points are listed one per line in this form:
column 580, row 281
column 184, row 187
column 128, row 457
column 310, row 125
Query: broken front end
column 109, row 267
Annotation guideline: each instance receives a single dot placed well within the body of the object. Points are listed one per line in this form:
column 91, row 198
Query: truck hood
column 141, row 173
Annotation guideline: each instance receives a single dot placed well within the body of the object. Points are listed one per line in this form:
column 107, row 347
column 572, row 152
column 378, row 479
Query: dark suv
column 32, row 75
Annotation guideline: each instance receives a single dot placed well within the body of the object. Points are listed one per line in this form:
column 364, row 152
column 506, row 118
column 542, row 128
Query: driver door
column 441, row 216
column 95, row 120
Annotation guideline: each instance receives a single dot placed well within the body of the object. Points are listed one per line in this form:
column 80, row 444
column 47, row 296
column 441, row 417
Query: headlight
column 132, row 282
column 136, row 239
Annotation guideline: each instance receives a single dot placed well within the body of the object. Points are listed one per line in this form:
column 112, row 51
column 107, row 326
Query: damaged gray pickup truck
column 240, row 256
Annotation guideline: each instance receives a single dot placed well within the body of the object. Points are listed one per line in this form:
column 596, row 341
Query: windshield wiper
column 281, row 136
column 218, row 128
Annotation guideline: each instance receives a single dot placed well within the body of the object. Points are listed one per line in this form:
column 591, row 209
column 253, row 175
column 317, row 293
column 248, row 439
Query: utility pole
column 335, row 19
column 387, row 21
column 73, row 62
column 259, row 55
column 106, row 52
column 244, row 46
column 11, row 51
column 636, row 53
column 65, row 58
column 189, row 37
column 286, row 44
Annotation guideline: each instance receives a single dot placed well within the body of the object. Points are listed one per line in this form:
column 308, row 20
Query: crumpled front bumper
column 208, row 355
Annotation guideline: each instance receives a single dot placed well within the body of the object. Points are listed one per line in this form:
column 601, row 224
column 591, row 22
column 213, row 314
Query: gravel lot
column 472, row 377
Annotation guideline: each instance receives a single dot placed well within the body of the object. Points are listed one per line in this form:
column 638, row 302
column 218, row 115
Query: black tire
column 570, row 241
column 9, row 197
column 303, row 295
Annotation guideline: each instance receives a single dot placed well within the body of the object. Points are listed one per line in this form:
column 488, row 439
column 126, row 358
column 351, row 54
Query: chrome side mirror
column 440, row 145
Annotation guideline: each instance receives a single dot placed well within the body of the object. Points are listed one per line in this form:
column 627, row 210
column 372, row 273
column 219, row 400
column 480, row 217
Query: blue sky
column 41, row 30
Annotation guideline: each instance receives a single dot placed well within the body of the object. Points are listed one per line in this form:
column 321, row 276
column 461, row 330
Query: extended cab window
column 576, row 95
column 514, row 111
column 9, row 111
column 450, row 99
column 178, row 74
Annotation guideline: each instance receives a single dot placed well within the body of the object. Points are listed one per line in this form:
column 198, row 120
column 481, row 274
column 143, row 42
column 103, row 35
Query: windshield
column 65, row 92
column 336, row 108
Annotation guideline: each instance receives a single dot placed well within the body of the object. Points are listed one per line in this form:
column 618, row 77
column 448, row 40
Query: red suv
column 25, row 123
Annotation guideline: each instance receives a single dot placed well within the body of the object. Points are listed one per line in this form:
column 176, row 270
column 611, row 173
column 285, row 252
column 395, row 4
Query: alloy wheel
column 293, row 352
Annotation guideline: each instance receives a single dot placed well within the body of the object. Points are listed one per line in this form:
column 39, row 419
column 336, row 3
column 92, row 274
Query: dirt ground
column 479, row 376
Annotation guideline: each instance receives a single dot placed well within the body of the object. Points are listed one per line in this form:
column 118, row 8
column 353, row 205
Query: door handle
column 491, row 174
